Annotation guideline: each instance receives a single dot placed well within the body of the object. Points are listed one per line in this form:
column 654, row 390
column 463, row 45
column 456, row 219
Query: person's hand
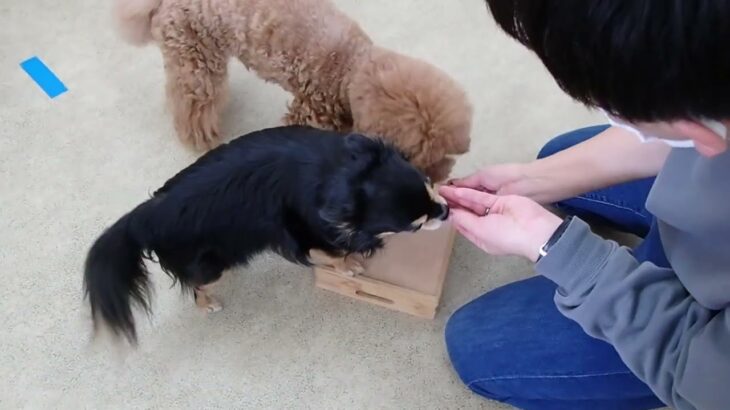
column 500, row 179
column 500, row 225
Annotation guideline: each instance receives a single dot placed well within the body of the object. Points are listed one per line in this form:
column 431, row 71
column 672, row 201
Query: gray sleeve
column 679, row 348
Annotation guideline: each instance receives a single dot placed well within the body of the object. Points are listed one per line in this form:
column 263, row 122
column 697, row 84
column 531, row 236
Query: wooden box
column 407, row 275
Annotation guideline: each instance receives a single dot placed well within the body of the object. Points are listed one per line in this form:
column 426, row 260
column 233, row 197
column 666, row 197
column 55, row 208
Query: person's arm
column 611, row 157
column 672, row 343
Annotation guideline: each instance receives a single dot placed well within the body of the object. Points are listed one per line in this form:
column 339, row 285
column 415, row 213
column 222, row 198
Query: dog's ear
column 339, row 209
column 338, row 201
column 340, row 195
column 361, row 148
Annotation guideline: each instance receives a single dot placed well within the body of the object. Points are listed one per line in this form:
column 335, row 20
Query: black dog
column 312, row 196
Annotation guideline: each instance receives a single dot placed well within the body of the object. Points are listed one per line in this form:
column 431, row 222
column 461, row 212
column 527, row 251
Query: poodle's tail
column 115, row 276
column 133, row 19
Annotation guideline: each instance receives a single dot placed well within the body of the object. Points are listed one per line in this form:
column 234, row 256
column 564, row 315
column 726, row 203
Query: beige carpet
column 72, row 165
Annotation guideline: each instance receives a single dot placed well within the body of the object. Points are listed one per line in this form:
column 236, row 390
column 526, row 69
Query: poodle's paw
column 204, row 141
column 198, row 129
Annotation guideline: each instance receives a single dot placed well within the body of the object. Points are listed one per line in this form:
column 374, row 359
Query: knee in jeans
column 569, row 139
column 462, row 343
column 453, row 329
column 457, row 343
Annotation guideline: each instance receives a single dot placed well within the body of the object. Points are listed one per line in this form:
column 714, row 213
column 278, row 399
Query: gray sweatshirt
column 670, row 326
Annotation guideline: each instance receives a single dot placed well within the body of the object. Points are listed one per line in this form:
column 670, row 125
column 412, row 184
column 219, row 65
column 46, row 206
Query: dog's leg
column 204, row 300
column 208, row 269
column 297, row 114
column 354, row 264
column 350, row 265
column 318, row 112
column 196, row 91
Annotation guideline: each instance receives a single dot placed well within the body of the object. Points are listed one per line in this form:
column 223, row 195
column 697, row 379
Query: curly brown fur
column 339, row 79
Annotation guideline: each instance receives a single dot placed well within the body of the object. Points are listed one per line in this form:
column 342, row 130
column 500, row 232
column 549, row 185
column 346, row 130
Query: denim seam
column 626, row 208
column 557, row 376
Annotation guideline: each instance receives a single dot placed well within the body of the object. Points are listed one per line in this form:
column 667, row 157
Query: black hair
column 643, row 60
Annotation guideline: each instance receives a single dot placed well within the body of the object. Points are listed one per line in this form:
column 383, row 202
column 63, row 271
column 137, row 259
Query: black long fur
column 286, row 189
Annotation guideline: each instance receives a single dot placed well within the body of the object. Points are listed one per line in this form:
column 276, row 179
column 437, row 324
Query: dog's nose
column 444, row 212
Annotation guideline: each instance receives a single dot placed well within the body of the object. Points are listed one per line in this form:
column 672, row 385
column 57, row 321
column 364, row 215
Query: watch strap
column 555, row 237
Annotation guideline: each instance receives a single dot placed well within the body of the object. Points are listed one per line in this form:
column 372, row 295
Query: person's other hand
column 500, row 179
column 500, row 225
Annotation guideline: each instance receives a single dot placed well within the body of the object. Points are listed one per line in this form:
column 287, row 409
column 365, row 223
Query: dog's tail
column 115, row 276
column 133, row 19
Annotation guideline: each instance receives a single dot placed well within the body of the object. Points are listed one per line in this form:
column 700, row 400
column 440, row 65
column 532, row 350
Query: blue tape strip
column 43, row 76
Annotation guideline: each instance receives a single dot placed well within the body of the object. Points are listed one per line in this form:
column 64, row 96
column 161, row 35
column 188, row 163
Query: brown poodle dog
column 339, row 79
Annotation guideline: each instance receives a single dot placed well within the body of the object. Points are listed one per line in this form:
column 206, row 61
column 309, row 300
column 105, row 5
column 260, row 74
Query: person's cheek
column 711, row 150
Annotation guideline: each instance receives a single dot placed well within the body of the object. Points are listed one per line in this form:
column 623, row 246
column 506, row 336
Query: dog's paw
column 353, row 266
column 213, row 305
column 207, row 303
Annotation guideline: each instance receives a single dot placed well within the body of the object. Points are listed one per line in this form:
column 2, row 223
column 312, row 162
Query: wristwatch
column 545, row 248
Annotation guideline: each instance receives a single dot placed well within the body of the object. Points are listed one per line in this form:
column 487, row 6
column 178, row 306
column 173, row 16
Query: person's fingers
column 464, row 220
column 508, row 189
column 456, row 201
column 449, row 194
column 468, row 226
column 464, row 216
column 472, row 181
column 476, row 196
column 477, row 201
column 468, row 235
column 514, row 188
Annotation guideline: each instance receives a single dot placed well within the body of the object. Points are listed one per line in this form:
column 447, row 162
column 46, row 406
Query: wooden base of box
column 407, row 275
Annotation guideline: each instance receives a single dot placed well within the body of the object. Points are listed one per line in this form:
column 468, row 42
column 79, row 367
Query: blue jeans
column 514, row 346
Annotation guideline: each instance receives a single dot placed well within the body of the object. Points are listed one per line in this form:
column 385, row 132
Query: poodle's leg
column 196, row 92
column 298, row 113
column 318, row 113
column 301, row 112
column 350, row 265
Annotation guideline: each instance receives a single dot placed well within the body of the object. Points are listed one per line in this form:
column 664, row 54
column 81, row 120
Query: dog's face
column 378, row 193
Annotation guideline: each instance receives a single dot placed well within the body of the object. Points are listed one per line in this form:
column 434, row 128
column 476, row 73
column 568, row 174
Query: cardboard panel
column 407, row 275
column 416, row 261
